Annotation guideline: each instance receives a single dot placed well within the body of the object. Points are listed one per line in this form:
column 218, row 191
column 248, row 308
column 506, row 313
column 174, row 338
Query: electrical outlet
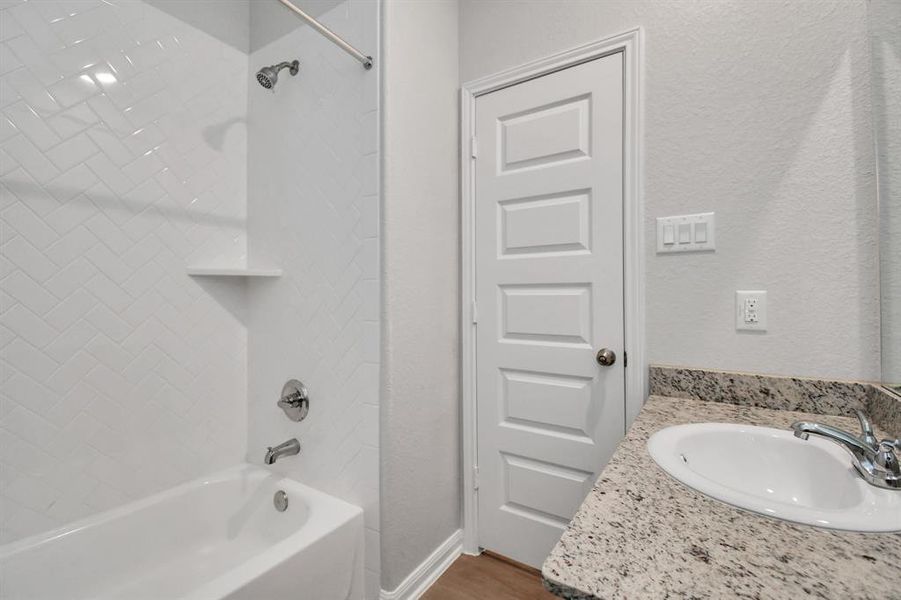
column 750, row 310
column 751, row 315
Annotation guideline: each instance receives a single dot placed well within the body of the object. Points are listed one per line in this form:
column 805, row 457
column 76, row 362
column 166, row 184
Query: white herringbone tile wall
column 123, row 157
column 313, row 209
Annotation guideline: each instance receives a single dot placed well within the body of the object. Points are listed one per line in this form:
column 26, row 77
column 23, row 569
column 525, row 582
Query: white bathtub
column 217, row 537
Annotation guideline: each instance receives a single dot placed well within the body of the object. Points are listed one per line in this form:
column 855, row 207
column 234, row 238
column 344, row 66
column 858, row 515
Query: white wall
column 313, row 210
column 122, row 153
column 885, row 27
column 758, row 111
column 421, row 393
column 270, row 19
column 228, row 21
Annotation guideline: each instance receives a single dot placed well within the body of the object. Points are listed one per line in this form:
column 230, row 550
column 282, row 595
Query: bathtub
column 216, row 537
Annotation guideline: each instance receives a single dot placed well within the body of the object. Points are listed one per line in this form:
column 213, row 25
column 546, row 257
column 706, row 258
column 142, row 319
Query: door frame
column 630, row 44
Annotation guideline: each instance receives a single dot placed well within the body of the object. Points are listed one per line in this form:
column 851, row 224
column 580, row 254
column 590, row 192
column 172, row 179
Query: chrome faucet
column 289, row 448
column 874, row 460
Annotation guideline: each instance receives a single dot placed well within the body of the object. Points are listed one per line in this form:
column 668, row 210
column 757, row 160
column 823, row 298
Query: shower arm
column 292, row 65
column 331, row 35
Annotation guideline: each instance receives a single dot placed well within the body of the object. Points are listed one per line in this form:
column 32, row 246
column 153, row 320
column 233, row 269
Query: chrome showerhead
column 268, row 76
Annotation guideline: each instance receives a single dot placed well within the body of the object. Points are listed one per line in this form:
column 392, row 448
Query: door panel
column 551, row 224
column 545, row 134
column 549, row 489
column 549, row 286
column 546, row 313
column 546, row 401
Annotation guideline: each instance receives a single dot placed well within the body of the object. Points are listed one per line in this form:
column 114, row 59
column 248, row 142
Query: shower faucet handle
column 295, row 400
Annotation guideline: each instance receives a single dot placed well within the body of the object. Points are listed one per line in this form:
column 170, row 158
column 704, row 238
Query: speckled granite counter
column 642, row 534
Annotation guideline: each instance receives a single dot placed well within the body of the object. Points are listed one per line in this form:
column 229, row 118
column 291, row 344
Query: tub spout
column 289, row 448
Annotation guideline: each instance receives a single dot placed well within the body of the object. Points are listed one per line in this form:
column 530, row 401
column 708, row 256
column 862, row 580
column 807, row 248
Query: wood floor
column 487, row 577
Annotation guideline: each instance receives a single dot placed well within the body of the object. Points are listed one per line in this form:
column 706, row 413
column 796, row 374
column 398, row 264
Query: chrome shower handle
column 294, row 400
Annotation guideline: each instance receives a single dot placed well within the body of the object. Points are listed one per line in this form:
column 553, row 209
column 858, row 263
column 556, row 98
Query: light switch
column 669, row 236
column 686, row 233
column 700, row 233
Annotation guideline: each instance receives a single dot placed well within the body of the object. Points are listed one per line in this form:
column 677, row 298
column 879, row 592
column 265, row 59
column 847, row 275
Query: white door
column 549, row 296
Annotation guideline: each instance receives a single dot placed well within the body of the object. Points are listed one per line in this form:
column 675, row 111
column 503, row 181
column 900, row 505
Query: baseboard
column 428, row 571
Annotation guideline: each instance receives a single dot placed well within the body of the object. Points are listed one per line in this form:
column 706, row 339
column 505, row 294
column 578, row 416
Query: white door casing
column 548, row 254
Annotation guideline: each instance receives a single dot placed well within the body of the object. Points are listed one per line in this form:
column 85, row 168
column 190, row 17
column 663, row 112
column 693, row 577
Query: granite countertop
column 642, row 534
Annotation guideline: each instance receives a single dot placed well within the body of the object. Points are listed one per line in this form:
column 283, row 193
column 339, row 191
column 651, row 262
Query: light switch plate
column 750, row 310
column 686, row 233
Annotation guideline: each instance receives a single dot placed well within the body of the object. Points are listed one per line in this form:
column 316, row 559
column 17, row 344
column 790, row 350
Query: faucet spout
column 289, row 448
column 852, row 443
column 874, row 461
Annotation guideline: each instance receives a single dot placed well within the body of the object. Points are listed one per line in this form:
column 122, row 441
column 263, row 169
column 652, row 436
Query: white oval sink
column 771, row 472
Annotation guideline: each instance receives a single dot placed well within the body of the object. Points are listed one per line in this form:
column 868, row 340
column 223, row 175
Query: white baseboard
column 428, row 571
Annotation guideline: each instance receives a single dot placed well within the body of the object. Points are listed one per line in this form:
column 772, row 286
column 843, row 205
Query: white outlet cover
column 741, row 321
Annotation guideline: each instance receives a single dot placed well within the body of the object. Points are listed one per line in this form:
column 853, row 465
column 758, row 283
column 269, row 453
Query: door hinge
column 475, row 312
column 625, row 359
column 474, row 147
column 475, row 477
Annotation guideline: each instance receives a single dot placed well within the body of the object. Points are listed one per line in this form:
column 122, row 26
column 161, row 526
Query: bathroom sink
column 771, row 472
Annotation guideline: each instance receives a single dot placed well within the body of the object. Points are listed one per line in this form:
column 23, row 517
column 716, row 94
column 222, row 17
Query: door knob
column 606, row 357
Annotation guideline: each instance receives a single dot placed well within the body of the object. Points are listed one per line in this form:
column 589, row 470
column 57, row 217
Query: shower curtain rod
column 331, row 35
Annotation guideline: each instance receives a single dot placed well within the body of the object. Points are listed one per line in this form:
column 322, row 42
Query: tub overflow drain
column 280, row 500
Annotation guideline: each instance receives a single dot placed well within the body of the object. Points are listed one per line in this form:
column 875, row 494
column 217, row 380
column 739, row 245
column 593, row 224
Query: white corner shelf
column 234, row 272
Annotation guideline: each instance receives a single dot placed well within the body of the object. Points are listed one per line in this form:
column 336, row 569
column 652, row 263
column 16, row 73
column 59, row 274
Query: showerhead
column 268, row 76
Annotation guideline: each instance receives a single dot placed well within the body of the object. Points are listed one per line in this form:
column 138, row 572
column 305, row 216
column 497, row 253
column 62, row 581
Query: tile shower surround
column 314, row 212
column 121, row 162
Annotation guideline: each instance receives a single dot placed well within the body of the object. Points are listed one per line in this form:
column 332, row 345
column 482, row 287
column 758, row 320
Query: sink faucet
column 289, row 448
column 874, row 460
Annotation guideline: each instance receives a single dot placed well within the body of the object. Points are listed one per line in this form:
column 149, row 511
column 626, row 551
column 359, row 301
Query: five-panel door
column 549, row 291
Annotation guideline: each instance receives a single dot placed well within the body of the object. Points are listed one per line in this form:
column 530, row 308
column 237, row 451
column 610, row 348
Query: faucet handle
column 885, row 456
column 295, row 400
column 866, row 428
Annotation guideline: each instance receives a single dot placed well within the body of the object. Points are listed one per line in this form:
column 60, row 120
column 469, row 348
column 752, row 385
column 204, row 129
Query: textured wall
column 885, row 32
column 121, row 161
column 313, row 210
column 758, row 111
column 421, row 396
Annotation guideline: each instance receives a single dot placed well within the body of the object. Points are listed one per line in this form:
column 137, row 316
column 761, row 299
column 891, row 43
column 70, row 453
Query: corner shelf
column 234, row 272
